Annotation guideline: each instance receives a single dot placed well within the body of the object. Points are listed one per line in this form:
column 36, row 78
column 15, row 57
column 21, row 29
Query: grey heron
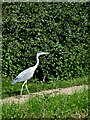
column 28, row 73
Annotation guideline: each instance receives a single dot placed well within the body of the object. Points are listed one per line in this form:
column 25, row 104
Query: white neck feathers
column 37, row 58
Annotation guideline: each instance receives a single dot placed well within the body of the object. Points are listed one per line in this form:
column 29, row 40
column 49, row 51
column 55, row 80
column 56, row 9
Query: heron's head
column 42, row 53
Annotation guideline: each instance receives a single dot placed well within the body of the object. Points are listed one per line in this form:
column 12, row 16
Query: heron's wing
column 24, row 75
column 14, row 81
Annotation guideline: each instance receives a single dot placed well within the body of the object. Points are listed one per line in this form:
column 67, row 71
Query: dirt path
column 52, row 92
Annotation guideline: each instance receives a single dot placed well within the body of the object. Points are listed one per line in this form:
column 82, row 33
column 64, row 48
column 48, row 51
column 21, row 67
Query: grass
column 60, row 106
column 13, row 90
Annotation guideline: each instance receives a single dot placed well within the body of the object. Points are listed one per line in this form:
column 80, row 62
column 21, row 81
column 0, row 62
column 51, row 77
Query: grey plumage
column 28, row 73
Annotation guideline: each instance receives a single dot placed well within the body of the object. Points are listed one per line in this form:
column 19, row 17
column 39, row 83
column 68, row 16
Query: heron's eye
column 39, row 52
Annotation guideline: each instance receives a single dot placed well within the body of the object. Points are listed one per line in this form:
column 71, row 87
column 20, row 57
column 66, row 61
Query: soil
column 23, row 98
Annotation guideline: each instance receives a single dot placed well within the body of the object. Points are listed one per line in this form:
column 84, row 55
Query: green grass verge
column 60, row 106
column 13, row 90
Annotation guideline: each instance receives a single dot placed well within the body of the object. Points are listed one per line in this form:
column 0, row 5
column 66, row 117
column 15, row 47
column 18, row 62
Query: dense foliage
column 54, row 27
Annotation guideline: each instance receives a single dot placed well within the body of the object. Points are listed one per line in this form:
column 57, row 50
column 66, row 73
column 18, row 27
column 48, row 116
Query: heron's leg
column 27, row 88
column 22, row 87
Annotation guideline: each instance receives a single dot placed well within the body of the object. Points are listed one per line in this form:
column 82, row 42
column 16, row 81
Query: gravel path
column 52, row 92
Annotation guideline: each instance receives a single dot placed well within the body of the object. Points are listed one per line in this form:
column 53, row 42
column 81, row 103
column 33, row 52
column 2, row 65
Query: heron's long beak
column 47, row 53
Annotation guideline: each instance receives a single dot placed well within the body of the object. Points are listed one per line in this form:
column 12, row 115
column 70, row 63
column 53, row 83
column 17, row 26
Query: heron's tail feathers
column 14, row 81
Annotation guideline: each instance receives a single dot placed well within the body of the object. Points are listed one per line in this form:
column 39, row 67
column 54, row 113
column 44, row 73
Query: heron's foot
column 21, row 95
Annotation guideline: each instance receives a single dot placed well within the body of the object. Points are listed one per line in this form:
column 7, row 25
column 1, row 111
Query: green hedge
column 54, row 27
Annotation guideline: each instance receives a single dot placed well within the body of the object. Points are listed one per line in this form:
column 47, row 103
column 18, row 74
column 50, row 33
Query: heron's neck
column 37, row 62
